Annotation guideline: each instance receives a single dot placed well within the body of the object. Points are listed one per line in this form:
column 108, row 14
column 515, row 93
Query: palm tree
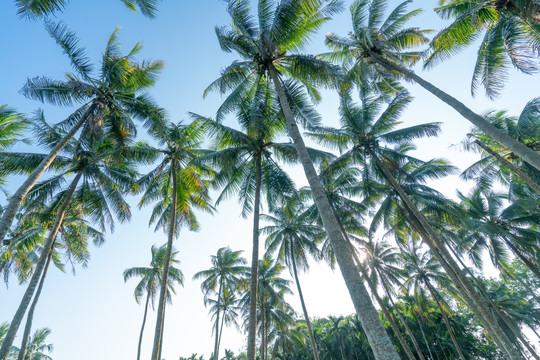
column 497, row 163
column 361, row 132
column 179, row 187
column 102, row 173
column 294, row 239
column 224, row 275
column 12, row 124
column 110, row 101
column 267, row 55
column 37, row 346
column 151, row 280
column 511, row 37
column 380, row 44
column 32, row 9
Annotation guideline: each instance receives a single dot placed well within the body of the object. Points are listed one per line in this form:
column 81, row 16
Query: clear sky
column 93, row 315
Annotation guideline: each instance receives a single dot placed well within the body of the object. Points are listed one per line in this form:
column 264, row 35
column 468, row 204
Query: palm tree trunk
column 142, row 326
column 216, row 344
column 263, row 329
column 419, row 322
column 304, row 309
column 165, row 277
column 446, row 321
column 405, row 325
column 47, row 249
column 221, row 328
column 518, row 148
column 526, row 179
column 474, row 301
column 525, row 260
column 379, row 340
column 30, row 316
column 16, row 199
column 252, row 324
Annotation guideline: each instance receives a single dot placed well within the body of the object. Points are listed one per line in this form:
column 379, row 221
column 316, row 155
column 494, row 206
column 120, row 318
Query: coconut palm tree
column 101, row 172
column 224, row 275
column 382, row 45
column 294, row 239
column 37, row 347
column 151, row 280
column 267, row 55
column 511, row 38
column 109, row 101
column 498, row 163
column 32, row 9
column 179, row 186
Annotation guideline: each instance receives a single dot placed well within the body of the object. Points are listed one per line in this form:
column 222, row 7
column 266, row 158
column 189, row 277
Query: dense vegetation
column 412, row 259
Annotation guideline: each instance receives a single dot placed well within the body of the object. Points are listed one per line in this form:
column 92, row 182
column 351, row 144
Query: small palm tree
column 110, row 101
column 224, row 276
column 178, row 186
column 383, row 46
column 151, row 281
column 37, row 346
column 12, row 124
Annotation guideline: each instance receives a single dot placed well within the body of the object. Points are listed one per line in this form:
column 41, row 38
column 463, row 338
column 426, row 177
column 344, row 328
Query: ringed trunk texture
column 526, row 179
column 142, row 326
column 474, row 301
column 47, row 249
column 253, row 286
column 165, row 277
column 304, row 309
column 16, row 199
column 30, row 316
column 518, row 148
column 367, row 314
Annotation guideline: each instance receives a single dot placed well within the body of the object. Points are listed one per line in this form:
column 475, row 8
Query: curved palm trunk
column 304, row 309
column 221, row 328
column 142, row 326
column 30, row 316
column 216, row 343
column 252, row 324
column 525, row 260
column 423, row 334
column 526, row 179
column 405, row 325
column 47, row 249
column 378, row 339
column 446, row 321
column 16, row 199
column 158, row 334
column 474, row 301
column 518, row 148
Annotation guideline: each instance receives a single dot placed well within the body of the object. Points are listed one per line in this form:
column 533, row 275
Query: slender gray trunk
column 423, row 334
column 446, row 320
column 525, row 260
column 16, row 199
column 526, row 179
column 158, row 334
column 475, row 302
column 252, row 323
column 518, row 148
column 263, row 329
column 221, row 328
column 380, row 342
column 216, row 343
column 30, row 316
column 142, row 326
column 47, row 249
column 402, row 319
column 304, row 309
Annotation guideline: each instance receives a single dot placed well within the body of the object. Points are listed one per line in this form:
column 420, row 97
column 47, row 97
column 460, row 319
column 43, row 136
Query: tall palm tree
column 294, row 239
column 179, row 187
column 32, row 9
column 382, row 46
column 110, row 100
column 101, row 172
column 151, row 281
column 511, row 38
column 247, row 165
column 267, row 52
column 224, row 275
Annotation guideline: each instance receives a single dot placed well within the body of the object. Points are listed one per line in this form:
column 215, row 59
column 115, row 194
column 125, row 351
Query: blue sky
column 93, row 315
